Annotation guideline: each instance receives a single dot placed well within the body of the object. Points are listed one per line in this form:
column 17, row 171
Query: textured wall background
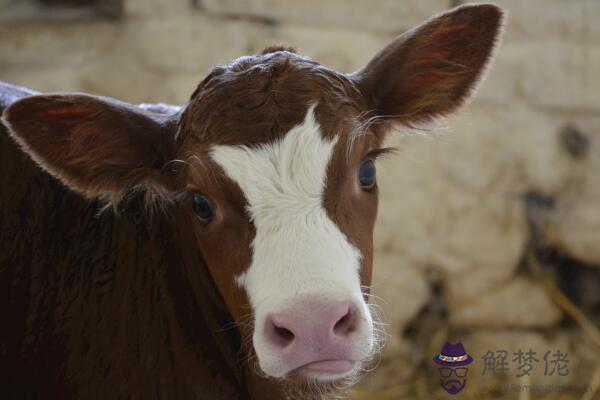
column 480, row 220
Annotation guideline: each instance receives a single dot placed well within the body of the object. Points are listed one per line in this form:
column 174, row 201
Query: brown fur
column 103, row 306
column 146, row 306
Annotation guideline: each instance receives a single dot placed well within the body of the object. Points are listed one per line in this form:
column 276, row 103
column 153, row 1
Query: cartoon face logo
column 452, row 362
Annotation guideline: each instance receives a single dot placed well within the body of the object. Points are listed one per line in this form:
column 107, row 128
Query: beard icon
column 452, row 362
column 453, row 380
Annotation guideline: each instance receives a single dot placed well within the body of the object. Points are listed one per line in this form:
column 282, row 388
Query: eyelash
column 380, row 153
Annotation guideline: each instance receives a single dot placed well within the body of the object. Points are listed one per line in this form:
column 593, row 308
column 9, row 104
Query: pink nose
column 316, row 337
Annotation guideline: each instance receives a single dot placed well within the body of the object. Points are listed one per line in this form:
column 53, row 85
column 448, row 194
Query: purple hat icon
column 453, row 355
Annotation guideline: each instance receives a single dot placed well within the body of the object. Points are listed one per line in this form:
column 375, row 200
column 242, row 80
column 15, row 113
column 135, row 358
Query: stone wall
column 462, row 206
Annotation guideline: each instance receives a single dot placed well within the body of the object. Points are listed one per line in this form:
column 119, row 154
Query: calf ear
column 97, row 146
column 430, row 71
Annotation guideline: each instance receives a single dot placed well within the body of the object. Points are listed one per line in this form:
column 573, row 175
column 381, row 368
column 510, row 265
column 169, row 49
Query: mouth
column 452, row 383
column 326, row 369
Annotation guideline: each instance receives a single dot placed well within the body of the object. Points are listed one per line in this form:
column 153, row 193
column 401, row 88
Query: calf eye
column 202, row 207
column 367, row 174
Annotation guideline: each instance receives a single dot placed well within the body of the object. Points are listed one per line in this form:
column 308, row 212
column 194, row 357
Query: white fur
column 298, row 251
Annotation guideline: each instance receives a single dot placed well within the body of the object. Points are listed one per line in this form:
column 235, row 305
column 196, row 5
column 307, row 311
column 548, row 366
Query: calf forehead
column 284, row 177
column 258, row 99
column 283, row 183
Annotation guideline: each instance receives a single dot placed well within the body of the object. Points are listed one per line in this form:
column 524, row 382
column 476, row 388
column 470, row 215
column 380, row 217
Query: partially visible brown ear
column 430, row 71
column 98, row 146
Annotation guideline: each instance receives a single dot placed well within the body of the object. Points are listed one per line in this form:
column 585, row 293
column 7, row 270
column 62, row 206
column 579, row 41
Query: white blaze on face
column 298, row 251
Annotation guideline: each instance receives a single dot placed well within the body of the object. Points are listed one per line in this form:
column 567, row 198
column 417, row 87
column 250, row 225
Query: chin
column 307, row 383
column 327, row 371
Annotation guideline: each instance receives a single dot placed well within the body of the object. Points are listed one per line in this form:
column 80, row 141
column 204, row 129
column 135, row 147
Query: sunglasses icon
column 447, row 372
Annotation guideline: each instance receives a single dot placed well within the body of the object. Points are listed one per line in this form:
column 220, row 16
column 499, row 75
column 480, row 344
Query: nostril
column 279, row 334
column 345, row 324
column 284, row 335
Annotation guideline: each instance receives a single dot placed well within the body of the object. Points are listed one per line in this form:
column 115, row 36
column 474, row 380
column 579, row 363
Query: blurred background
column 489, row 227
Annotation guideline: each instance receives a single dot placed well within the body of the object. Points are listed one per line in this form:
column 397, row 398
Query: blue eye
column 367, row 175
column 202, row 207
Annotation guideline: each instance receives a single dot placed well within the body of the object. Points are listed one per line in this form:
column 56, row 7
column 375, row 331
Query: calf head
column 272, row 160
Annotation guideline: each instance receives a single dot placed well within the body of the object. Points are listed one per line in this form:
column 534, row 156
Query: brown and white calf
column 239, row 259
